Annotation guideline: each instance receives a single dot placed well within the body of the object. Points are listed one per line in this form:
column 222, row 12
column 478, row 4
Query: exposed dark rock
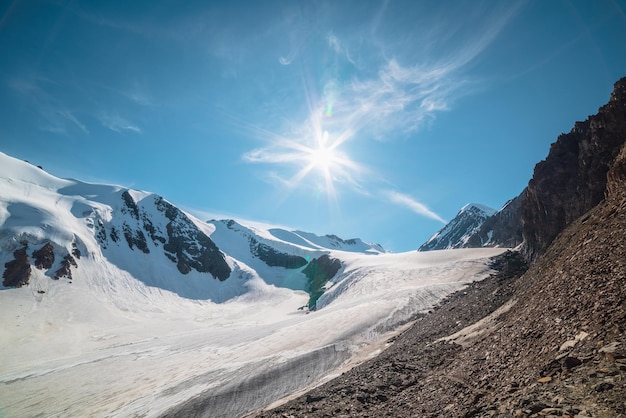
column 502, row 229
column 135, row 238
column 189, row 247
column 616, row 177
column 335, row 238
column 17, row 271
column 319, row 272
column 509, row 264
column 154, row 233
column 44, row 257
column 130, row 205
column 572, row 179
column 275, row 258
column 101, row 233
column 115, row 236
column 65, row 269
column 75, row 251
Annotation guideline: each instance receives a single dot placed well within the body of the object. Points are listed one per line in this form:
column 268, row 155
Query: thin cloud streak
column 56, row 116
column 412, row 204
column 117, row 124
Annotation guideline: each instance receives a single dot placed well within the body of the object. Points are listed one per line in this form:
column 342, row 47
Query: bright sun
column 320, row 153
column 324, row 155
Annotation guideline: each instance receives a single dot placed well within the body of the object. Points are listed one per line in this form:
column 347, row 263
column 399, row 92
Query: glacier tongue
column 161, row 351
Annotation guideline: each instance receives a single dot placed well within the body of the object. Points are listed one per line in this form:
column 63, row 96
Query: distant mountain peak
column 459, row 230
column 478, row 207
column 477, row 225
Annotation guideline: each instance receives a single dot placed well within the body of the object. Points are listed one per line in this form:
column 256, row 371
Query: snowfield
column 136, row 350
column 131, row 334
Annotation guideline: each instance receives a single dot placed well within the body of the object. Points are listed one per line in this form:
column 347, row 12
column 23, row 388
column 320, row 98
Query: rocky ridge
column 502, row 229
column 459, row 230
column 573, row 178
column 475, row 228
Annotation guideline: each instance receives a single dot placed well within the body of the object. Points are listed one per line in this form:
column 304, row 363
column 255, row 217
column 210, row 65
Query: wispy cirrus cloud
column 412, row 204
column 406, row 91
column 118, row 124
column 54, row 116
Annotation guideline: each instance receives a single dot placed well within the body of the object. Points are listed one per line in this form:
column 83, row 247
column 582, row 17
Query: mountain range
column 50, row 222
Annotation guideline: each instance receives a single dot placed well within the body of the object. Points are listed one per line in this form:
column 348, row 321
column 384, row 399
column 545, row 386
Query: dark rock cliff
column 189, row 247
column 274, row 258
column 572, row 179
column 503, row 229
column 44, row 257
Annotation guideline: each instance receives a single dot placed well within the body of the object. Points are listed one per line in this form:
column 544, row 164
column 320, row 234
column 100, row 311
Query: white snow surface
column 120, row 339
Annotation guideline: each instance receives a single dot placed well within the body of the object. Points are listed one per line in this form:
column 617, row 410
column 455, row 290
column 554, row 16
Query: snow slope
column 130, row 334
column 159, row 350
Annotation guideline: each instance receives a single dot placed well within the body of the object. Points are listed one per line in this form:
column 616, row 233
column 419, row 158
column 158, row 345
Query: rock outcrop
column 573, row 178
column 502, row 229
column 44, row 257
column 188, row 246
column 274, row 258
column 17, row 271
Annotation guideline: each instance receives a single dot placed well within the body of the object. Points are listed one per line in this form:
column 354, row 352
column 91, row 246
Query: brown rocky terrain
column 17, row 271
column 551, row 342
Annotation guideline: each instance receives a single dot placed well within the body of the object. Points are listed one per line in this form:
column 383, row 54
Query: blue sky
column 370, row 119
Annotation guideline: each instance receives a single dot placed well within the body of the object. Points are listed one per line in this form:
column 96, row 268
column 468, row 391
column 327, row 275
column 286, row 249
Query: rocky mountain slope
column 568, row 183
column 502, row 229
column 477, row 226
column 551, row 342
column 459, row 230
column 573, row 178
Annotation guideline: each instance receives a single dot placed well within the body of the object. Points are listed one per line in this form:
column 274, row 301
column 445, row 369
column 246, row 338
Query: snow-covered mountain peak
column 477, row 208
column 460, row 229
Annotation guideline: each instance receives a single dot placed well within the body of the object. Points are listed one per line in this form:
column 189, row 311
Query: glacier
column 129, row 334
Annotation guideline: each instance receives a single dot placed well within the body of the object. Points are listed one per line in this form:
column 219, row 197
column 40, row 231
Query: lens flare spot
column 329, row 110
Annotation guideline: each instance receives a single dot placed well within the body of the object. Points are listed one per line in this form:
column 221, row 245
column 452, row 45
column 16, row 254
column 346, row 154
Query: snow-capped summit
column 460, row 229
